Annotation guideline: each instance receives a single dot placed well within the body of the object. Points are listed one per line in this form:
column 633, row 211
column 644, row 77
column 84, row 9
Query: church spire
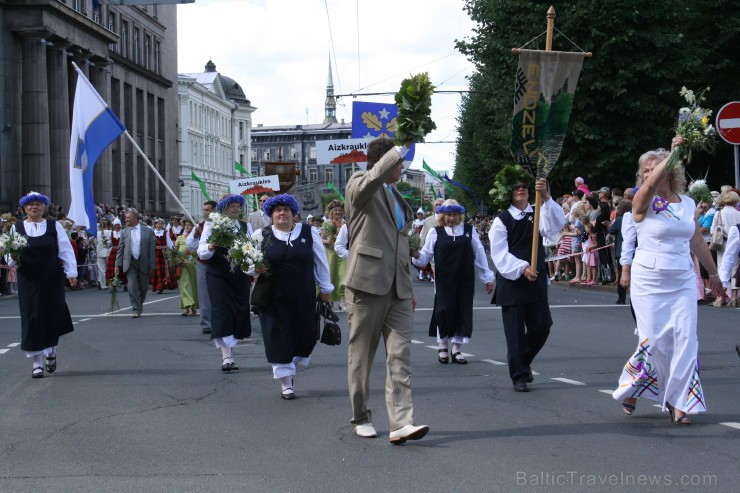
column 330, row 103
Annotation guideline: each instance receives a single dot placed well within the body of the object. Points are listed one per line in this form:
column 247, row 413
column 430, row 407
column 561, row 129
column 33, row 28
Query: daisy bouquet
column 224, row 230
column 245, row 254
column 13, row 243
column 693, row 125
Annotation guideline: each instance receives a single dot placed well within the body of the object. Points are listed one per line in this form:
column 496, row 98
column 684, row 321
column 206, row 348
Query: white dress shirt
column 320, row 264
column 629, row 239
column 66, row 252
column 480, row 261
column 341, row 243
column 136, row 241
column 552, row 220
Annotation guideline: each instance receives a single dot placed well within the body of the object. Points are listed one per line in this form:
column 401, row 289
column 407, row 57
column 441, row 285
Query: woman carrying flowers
column 295, row 261
column 44, row 313
column 458, row 254
column 665, row 368
column 228, row 288
column 187, row 282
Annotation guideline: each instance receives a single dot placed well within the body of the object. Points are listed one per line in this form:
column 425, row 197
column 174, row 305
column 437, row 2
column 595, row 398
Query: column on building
column 35, row 119
column 59, row 122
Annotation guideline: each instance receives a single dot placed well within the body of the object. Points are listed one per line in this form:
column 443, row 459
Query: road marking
column 3, row 351
column 732, row 425
column 658, row 406
column 608, row 392
column 414, row 341
column 14, row 344
column 494, row 362
column 567, row 380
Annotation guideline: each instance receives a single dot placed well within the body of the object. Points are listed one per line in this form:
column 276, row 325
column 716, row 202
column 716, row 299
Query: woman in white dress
column 665, row 368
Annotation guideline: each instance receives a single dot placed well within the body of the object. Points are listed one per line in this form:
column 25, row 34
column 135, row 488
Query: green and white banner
column 543, row 97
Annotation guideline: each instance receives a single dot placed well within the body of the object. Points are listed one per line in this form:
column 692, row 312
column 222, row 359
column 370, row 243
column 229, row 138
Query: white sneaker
column 408, row 432
column 366, row 430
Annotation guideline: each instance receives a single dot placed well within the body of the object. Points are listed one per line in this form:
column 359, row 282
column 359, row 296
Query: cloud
column 278, row 51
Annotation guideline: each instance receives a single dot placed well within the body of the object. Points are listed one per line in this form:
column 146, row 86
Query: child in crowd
column 565, row 247
column 590, row 257
column 575, row 217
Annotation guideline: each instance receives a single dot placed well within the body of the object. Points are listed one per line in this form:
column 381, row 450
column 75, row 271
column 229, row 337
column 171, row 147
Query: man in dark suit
column 135, row 257
column 379, row 293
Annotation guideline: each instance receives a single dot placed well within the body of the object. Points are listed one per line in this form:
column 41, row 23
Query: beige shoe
column 366, row 430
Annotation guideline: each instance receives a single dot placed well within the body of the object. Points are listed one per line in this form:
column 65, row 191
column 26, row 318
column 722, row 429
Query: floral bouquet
column 13, row 244
column 114, row 284
column 245, row 254
column 329, row 231
column 414, row 241
column 693, row 125
column 106, row 240
column 223, row 233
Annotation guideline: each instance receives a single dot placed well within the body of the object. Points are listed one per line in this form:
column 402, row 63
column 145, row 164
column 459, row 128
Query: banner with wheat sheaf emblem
column 543, row 98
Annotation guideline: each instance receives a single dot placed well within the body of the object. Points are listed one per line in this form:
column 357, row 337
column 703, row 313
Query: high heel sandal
column 678, row 420
column 443, row 359
column 51, row 363
column 628, row 408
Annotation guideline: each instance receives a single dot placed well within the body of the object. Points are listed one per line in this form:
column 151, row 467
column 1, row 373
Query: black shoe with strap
column 51, row 363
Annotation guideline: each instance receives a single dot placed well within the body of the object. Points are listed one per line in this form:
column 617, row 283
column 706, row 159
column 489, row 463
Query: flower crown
column 228, row 200
column 34, row 197
column 450, row 209
column 282, row 199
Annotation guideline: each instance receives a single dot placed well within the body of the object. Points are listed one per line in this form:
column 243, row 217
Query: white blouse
column 66, row 252
column 552, row 220
column 341, row 243
column 732, row 247
column 485, row 274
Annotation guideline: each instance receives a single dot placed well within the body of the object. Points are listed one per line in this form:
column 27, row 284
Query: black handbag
column 261, row 292
column 332, row 334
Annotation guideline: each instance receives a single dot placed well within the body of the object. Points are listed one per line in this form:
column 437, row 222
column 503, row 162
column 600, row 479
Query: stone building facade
column 215, row 132
column 129, row 54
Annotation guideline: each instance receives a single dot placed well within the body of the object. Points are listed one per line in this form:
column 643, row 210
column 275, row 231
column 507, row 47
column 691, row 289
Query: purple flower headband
column 228, row 200
column 282, row 199
column 450, row 209
column 34, row 197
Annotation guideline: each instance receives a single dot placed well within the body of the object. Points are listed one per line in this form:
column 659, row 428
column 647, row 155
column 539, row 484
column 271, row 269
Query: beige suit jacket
column 378, row 252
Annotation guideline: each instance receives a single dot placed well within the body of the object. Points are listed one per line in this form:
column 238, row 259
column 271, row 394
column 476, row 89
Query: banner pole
column 156, row 173
column 538, row 195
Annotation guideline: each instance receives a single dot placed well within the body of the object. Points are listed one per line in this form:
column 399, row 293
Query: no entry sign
column 728, row 123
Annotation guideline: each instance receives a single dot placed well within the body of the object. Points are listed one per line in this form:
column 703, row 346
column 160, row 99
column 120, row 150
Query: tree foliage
column 628, row 94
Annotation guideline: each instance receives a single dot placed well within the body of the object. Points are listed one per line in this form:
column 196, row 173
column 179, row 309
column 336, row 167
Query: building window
column 348, row 172
column 96, row 15
column 147, row 51
column 137, row 55
column 254, row 154
column 313, row 175
column 293, row 152
column 79, row 5
column 329, row 175
column 157, row 58
column 313, row 152
column 266, row 154
column 154, row 10
column 124, row 38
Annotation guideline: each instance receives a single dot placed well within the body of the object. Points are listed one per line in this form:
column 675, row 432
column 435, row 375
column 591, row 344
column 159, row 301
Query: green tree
column 628, row 94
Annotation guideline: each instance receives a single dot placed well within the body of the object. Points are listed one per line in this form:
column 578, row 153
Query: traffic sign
column 728, row 122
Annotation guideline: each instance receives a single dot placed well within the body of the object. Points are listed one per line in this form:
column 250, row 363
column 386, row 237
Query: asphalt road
column 141, row 405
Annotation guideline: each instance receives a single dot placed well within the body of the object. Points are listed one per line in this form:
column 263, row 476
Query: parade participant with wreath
column 521, row 289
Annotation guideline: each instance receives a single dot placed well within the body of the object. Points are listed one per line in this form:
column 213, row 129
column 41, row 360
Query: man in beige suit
column 379, row 295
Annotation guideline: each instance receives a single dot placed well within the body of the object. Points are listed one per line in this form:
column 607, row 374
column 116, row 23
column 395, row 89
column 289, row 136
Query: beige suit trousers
column 371, row 316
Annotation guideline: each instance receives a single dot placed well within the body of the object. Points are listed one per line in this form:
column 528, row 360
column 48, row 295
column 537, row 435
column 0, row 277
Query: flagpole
column 166, row 186
column 538, row 195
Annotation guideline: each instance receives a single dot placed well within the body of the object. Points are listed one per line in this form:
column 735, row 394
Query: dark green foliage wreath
column 510, row 176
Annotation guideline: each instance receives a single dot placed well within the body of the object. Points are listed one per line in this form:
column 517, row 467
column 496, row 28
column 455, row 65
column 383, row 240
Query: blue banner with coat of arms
column 376, row 120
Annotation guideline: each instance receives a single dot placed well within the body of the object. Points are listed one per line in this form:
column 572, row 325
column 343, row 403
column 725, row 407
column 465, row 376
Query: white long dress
column 665, row 366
